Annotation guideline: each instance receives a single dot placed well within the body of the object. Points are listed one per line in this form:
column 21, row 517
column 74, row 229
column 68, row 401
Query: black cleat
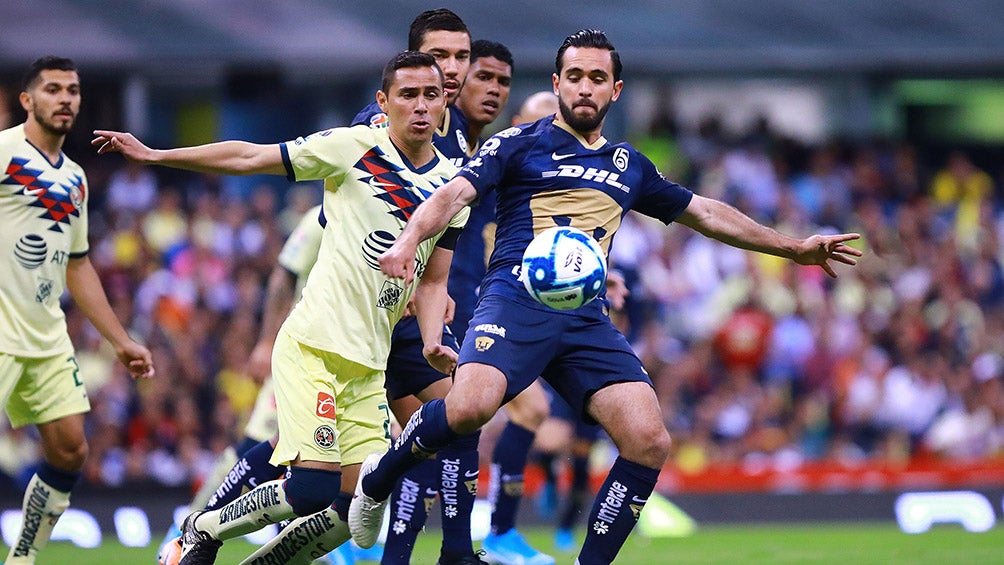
column 197, row 547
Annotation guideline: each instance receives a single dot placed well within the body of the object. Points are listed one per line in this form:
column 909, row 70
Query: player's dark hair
column 46, row 63
column 408, row 60
column 440, row 19
column 589, row 38
column 486, row 48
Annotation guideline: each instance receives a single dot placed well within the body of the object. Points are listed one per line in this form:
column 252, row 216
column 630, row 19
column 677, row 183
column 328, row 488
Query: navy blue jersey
column 450, row 139
column 545, row 174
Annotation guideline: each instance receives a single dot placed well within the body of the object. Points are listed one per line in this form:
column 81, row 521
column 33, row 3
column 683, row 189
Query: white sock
column 303, row 540
column 260, row 506
column 40, row 510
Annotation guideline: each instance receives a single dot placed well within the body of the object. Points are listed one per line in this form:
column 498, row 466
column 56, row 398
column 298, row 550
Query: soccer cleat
column 170, row 552
column 511, row 549
column 366, row 514
column 173, row 534
column 197, row 547
column 470, row 559
column 564, row 540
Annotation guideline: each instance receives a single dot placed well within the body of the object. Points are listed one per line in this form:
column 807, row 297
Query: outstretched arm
column 430, row 218
column 720, row 221
column 224, row 157
column 85, row 288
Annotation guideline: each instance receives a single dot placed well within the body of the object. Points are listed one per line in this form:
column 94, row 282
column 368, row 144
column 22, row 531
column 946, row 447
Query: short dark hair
column 589, row 38
column 46, row 63
column 440, row 19
column 486, row 48
column 408, row 60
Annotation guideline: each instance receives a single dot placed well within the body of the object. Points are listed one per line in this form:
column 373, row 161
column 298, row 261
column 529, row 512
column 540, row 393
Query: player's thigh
column 305, row 404
column 363, row 418
column 49, row 388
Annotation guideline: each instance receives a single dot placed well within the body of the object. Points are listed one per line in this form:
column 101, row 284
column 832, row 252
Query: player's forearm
column 85, row 287
column 279, row 296
column 431, row 299
column 433, row 215
column 224, row 157
column 720, row 221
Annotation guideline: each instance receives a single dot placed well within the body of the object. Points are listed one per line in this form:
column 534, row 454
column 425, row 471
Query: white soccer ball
column 564, row 268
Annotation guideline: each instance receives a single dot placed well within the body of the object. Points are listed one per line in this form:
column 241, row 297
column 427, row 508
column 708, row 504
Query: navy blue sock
column 251, row 470
column 426, row 433
column 58, row 479
column 615, row 510
column 341, row 505
column 578, row 493
column 458, row 487
column 508, row 464
column 409, row 509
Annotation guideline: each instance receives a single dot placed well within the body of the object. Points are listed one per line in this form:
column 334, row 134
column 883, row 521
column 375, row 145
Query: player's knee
column 310, row 490
column 69, row 456
column 649, row 446
column 528, row 414
column 466, row 418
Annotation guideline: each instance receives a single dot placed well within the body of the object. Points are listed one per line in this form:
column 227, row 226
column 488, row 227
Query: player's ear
column 618, row 86
column 25, row 99
column 554, row 83
column 381, row 100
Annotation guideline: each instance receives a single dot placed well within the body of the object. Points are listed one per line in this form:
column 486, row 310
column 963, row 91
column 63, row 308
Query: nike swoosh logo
column 639, row 500
column 470, row 474
column 557, row 156
column 377, row 184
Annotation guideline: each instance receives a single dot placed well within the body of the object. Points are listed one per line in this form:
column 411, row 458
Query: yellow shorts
column 262, row 423
column 38, row 390
column 329, row 408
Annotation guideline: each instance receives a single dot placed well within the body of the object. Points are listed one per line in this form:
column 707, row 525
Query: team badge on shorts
column 324, row 437
column 483, row 343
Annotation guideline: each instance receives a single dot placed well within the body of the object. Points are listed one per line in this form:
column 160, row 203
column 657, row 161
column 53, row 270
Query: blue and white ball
column 564, row 268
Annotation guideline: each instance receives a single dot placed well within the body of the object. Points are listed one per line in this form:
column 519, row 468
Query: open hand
column 820, row 249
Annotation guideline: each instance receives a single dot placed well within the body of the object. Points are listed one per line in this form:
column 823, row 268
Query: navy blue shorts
column 578, row 354
column 561, row 410
column 407, row 370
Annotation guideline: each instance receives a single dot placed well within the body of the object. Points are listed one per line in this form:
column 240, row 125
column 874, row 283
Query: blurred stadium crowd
column 753, row 357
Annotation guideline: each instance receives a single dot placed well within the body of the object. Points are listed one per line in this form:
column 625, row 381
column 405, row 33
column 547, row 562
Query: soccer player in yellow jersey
column 43, row 237
column 330, row 353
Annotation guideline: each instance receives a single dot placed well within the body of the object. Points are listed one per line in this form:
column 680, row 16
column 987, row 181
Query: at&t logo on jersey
column 598, row 176
column 30, row 251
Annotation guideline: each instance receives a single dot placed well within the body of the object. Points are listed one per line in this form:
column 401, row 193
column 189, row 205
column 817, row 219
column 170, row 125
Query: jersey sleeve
column 661, row 199
column 318, row 156
column 299, row 253
column 449, row 238
column 487, row 169
column 80, row 246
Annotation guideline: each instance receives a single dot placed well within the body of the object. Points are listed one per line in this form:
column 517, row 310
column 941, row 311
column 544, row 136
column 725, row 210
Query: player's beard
column 50, row 125
column 582, row 124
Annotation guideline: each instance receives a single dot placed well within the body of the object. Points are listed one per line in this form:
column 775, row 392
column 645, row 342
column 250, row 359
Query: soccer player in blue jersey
column 562, row 171
column 331, row 352
column 43, row 232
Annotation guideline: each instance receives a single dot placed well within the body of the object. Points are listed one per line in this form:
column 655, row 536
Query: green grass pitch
column 859, row 544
